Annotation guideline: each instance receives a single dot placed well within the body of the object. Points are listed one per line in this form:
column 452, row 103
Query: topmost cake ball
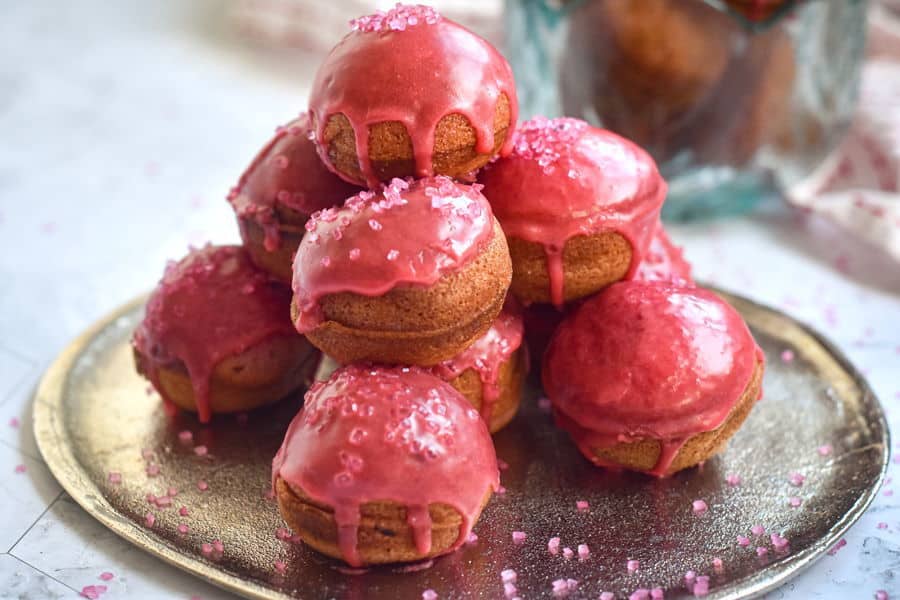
column 410, row 93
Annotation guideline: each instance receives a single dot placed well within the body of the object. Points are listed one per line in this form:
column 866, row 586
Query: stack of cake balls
column 407, row 227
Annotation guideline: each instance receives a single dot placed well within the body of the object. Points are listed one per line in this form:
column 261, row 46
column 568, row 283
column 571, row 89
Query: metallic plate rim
column 51, row 436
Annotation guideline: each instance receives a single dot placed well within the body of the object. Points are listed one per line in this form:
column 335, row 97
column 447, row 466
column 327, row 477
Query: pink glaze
column 565, row 178
column 388, row 434
column 487, row 355
column 210, row 305
column 412, row 66
column 411, row 233
column 664, row 261
column 287, row 173
column 648, row 360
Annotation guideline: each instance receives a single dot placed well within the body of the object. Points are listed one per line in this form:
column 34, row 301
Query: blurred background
column 123, row 125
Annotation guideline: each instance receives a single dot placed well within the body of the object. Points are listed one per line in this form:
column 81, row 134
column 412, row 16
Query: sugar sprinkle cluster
column 545, row 140
column 399, row 18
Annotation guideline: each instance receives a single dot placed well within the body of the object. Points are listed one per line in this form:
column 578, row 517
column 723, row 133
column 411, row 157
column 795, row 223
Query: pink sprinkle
column 567, row 553
column 429, row 594
column 282, row 534
column 183, row 511
column 701, row 588
column 471, row 538
column 182, row 528
column 743, row 541
column 152, row 470
column 164, row 502
column 882, row 525
column 787, row 356
column 733, row 480
column 824, row 450
column 501, row 490
column 114, row 477
column 582, row 505
column 553, row 545
column 21, row 468
column 560, row 588
column 639, row 594
column 518, row 537
column 689, row 577
column 881, row 595
column 218, row 545
column 206, row 549
column 280, row 566
column 607, row 596
column 502, row 464
column 106, row 576
column 717, row 564
column 633, row 566
column 657, row 594
column 757, row 530
column 583, row 551
column 509, row 589
column 185, row 436
column 796, row 479
column 172, row 492
column 92, row 592
column 508, row 576
column 14, row 423
column 840, row 544
column 200, row 450
column 795, row 501
column 779, row 542
column 150, row 519
column 699, row 506
column 202, row 486
column 762, row 551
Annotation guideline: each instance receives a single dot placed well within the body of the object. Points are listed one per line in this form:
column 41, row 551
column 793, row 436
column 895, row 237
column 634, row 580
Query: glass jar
column 735, row 99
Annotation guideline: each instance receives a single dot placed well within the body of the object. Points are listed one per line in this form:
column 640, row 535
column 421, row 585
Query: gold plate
column 93, row 415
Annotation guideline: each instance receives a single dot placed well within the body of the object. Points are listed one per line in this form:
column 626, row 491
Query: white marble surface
column 123, row 124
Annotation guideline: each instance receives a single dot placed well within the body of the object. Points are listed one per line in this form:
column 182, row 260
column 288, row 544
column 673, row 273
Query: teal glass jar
column 735, row 99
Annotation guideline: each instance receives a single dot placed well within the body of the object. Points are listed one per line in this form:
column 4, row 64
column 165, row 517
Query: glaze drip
column 287, row 173
column 411, row 66
column 565, row 178
column 648, row 360
column 210, row 305
column 486, row 355
column 388, row 434
column 412, row 232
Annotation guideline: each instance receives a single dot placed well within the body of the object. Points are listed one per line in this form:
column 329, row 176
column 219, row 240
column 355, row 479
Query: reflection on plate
column 94, row 417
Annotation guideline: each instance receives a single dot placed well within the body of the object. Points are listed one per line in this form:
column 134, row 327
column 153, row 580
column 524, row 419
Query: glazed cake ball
column 578, row 205
column 217, row 335
column 409, row 93
column 384, row 465
column 664, row 261
column 411, row 275
column 491, row 372
column 652, row 377
column 273, row 199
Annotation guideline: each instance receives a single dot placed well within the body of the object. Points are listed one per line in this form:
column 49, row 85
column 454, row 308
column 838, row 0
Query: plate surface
column 94, row 416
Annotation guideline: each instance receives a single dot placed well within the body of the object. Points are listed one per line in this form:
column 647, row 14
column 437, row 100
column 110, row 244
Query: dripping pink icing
column 388, row 434
column 287, row 172
column 648, row 360
column 412, row 232
column 210, row 305
column 664, row 261
column 565, row 178
column 412, row 66
column 487, row 355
